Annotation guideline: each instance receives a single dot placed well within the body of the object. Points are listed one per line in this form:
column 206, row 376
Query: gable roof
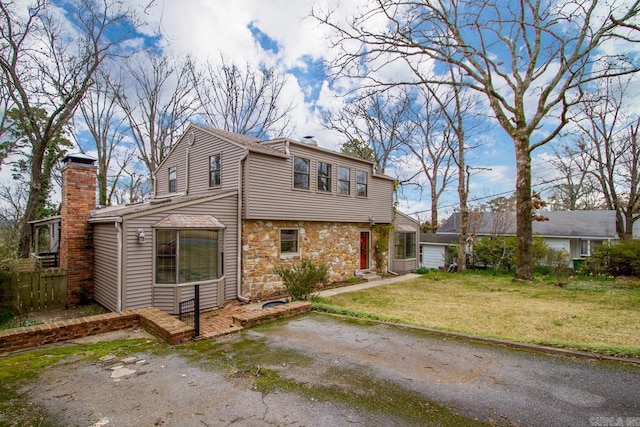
column 585, row 224
column 248, row 142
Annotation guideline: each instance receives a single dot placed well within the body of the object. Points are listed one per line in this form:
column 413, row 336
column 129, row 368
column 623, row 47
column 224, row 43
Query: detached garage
column 435, row 249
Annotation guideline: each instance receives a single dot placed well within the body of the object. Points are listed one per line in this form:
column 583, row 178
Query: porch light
column 372, row 220
column 141, row 235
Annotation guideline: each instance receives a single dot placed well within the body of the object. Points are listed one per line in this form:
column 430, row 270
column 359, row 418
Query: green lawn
column 594, row 315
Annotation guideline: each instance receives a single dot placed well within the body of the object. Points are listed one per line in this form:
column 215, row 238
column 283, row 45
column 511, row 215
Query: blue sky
column 280, row 34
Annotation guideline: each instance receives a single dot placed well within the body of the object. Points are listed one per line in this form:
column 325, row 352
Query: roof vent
column 309, row 140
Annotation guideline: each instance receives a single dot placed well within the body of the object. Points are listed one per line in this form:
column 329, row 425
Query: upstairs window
column 324, row 177
column 301, row 171
column 405, row 246
column 361, row 183
column 173, row 174
column 344, row 180
column 214, row 171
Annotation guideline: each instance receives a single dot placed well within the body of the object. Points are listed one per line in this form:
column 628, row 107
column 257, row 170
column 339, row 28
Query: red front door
column 364, row 250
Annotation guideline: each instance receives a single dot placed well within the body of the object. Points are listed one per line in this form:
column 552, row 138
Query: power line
column 490, row 196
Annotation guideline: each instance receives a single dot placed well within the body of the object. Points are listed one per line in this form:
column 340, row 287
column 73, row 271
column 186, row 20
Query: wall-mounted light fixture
column 141, row 235
column 372, row 220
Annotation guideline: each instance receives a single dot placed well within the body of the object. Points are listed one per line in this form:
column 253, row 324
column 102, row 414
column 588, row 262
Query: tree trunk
column 102, row 187
column 464, row 215
column 434, row 206
column 524, row 213
column 35, row 195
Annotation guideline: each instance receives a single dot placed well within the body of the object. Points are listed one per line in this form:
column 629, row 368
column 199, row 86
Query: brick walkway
column 233, row 318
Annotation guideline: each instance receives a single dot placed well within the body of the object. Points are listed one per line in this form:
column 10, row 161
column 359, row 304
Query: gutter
column 239, row 231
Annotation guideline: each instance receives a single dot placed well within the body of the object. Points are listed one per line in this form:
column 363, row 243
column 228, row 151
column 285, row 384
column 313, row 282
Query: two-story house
column 228, row 209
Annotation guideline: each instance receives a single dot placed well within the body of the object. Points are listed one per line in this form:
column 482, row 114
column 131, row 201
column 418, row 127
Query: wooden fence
column 41, row 290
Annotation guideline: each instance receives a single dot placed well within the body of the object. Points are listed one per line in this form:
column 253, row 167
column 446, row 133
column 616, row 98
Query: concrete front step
column 370, row 277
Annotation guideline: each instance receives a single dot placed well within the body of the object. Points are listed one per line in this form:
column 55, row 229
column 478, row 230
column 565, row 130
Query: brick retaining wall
column 64, row 330
column 154, row 321
column 158, row 323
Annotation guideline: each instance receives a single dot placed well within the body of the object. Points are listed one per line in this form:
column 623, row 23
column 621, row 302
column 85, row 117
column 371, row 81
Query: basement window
column 289, row 242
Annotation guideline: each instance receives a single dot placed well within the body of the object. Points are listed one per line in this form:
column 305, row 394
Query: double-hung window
column 344, row 180
column 289, row 241
column 405, row 246
column 188, row 255
column 173, row 175
column 214, row 171
column 301, row 173
column 324, row 177
column 361, row 183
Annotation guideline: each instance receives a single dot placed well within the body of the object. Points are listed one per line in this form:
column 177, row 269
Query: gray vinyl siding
column 162, row 174
column 204, row 145
column 269, row 192
column 105, row 273
column 164, row 298
column 139, row 290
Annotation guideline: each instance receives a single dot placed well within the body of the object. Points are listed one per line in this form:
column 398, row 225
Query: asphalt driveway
column 482, row 382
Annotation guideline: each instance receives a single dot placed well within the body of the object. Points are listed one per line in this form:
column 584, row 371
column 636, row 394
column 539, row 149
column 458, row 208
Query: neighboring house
column 577, row 232
column 228, row 209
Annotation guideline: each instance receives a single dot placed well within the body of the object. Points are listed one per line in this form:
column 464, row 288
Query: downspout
column 239, row 263
column 155, row 192
column 192, row 140
column 119, row 262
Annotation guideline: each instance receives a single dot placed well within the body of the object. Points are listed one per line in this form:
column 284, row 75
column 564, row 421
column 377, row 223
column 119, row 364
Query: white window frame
column 173, row 170
column 366, row 184
column 348, row 193
column 308, row 174
column 289, row 254
column 219, row 170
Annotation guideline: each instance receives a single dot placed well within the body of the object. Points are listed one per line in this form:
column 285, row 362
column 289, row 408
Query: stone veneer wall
column 335, row 244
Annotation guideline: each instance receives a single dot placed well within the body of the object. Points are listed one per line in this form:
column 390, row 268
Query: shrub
column 422, row 270
column 500, row 252
column 557, row 260
column 620, row 258
column 299, row 280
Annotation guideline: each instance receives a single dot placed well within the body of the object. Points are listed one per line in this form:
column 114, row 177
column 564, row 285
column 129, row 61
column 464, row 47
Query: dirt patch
column 47, row 316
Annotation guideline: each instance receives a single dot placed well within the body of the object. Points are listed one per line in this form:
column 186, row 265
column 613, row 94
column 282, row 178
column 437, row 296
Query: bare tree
column 457, row 104
column 575, row 189
column 132, row 188
column 248, row 102
column 100, row 113
column 376, row 121
column 610, row 141
column 529, row 59
column 429, row 140
column 48, row 65
column 158, row 103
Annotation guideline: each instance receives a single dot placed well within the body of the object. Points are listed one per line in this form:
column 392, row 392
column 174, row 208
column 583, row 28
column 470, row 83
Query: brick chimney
column 76, row 235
